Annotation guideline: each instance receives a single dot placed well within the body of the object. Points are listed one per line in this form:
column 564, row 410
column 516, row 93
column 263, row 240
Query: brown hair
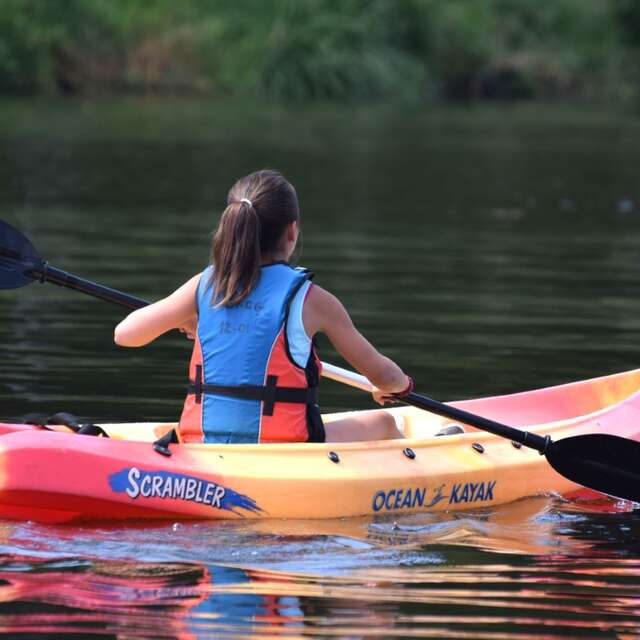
column 259, row 207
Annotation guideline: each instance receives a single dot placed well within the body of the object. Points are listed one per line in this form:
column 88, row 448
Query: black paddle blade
column 602, row 462
column 17, row 258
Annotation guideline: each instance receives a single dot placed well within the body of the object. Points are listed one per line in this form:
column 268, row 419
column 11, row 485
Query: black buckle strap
column 67, row 420
column 268, row 394
column 198, row 384
column 60, row 418
column 161, row 445
column 90, row 429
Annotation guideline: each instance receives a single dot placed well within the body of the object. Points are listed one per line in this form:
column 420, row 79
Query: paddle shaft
column 45, row 272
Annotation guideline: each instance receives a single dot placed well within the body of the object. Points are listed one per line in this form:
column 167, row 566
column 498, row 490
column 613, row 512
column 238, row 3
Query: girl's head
column 259, row 225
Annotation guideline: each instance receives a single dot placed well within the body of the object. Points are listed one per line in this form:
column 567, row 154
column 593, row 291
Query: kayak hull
column 52, row 476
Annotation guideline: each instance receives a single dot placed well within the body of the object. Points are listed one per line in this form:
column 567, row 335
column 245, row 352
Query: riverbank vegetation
column 337, row 50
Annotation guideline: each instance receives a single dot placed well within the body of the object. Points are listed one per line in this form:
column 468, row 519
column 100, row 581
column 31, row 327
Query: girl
column 254, row 372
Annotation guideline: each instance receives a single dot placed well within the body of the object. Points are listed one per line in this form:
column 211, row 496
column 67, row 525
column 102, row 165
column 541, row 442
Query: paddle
column 605, row 463
column 21, row 265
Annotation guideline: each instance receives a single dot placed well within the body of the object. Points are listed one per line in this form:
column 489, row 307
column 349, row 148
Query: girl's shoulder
column 205, row 280
column 322, row 310
column 319, row 296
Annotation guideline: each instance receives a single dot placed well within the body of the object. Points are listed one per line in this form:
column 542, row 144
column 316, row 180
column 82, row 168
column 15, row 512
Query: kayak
column 59, row 476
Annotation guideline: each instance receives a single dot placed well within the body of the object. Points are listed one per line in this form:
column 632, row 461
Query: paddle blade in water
column 602, row 462
column 17, row 257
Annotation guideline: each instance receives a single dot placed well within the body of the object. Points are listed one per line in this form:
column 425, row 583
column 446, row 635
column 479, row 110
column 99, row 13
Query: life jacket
column 254, row 373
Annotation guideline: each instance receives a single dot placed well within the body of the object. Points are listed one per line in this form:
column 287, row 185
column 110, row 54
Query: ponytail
column 259, row 208
column 236, row 254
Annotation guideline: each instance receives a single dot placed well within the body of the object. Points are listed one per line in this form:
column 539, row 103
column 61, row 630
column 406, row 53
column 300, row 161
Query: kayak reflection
column 98, row 599
column 116, row 599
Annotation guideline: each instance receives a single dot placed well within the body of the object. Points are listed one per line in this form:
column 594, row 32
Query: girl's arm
column 322, row 311
column 177, row 311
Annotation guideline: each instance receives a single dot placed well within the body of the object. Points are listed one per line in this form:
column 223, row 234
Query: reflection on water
column 536, row 568
column 486, row 251
column 98, row 599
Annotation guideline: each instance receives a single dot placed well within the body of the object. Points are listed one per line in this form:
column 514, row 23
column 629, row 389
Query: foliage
column 293, row 50
column 480, row 48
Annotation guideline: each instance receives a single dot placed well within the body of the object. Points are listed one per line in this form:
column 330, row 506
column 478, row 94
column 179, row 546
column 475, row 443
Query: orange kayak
column 58, row 476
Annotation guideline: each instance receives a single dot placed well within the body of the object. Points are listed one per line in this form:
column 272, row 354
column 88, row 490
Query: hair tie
column 247, row 201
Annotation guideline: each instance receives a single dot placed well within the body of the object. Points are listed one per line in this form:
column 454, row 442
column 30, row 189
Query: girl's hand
column 382, row 397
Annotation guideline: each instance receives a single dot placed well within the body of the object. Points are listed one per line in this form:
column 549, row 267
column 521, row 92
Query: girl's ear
column 291, row 232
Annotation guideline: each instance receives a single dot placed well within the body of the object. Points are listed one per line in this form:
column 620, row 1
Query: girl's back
column 254, row 372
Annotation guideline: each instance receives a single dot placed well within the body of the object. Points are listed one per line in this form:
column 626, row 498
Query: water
column 487, row 251
column 536, row 568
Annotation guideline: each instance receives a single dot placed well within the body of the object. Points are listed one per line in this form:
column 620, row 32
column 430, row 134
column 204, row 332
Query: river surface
column 487, row 251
